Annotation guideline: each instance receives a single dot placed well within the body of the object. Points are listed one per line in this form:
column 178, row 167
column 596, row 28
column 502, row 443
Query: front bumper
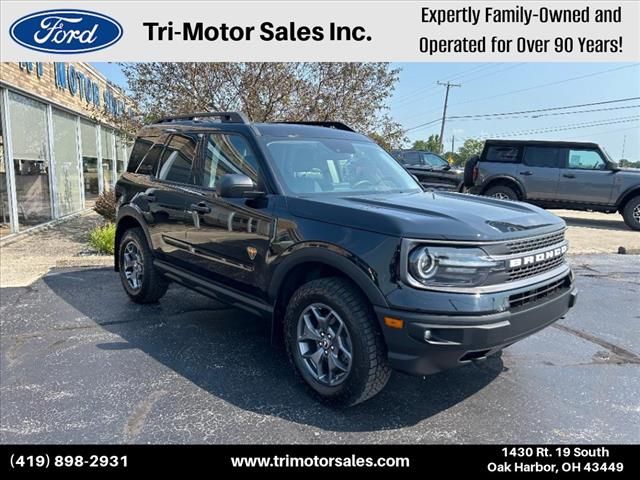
column 429, row 343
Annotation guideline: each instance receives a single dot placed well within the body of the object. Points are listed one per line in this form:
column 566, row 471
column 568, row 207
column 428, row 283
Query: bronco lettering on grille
column 540, row 257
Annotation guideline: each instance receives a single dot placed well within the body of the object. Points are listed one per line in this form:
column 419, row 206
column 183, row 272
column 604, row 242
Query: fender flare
column 628, row 194
column 129, row 211
column 332, row 256
column 508, row 178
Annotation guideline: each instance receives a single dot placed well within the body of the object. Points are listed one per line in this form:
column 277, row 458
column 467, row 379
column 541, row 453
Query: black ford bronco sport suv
column 320, row 231
column 552, row 174
column 432, row 171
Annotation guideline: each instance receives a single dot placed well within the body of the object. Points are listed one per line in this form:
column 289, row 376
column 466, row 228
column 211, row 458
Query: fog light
column 427, row 335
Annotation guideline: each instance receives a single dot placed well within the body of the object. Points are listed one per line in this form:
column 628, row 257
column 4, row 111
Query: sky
column 489, row 88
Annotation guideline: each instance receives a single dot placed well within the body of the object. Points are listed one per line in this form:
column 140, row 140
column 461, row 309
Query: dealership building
column 59, row 142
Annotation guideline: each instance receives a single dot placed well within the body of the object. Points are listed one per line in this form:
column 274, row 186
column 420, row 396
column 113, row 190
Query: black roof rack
column 225, row 117
column 336, row 125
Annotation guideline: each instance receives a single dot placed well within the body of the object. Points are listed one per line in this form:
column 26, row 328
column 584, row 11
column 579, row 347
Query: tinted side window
column 434, row 160
column 178, row 158
column 499, row 153
column 411, row 158
column 227, row 153
column 586, row 160
column 139, row 150
column 542, row 157
column 149, row 164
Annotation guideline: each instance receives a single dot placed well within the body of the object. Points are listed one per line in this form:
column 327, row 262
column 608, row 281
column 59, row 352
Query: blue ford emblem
column 66, row 31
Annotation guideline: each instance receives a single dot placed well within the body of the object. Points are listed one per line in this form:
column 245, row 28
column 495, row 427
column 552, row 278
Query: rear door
column 540, row 172
column 168, row 197
column 586, row 177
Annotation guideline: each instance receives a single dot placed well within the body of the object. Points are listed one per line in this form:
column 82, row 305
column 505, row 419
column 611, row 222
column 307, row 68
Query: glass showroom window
column 28, row 120
column 5, row 209
column 107, row 158
column 120, row 154
column 89, row 162
column 67, row 171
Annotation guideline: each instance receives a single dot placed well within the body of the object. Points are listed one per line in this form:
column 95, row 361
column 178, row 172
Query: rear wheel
column 501, row 192
column 631, row 213
column 140, row 279
column 334, row 342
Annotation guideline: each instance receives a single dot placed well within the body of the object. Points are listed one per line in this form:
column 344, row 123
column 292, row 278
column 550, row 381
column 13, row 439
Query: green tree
column 432, row 144
column 470, row 148
column 354, row 93
column 453, row 158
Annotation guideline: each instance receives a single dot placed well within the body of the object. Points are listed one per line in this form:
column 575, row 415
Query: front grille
column 528, row 298
column 518, row 273
column 529, row 244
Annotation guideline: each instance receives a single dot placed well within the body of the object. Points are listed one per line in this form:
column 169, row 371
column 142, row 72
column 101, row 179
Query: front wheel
column 631, row 213
column 140, row 279
column 334, row 342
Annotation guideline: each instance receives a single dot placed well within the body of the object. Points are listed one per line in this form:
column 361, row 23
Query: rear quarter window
column 502, row 153
column 140, row 148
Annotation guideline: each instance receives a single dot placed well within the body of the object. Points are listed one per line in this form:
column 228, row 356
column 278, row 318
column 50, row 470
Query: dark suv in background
column 570, row 175
column 432, row 171
column 317, row 229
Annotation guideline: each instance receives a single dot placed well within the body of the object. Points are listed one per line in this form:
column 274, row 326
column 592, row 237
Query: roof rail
column 336, row 125
column 225, row 117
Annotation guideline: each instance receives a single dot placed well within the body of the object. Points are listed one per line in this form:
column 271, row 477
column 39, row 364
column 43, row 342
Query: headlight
column 450, row 267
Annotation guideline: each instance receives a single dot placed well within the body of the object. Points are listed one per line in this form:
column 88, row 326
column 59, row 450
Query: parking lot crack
column 621, row 355
column 136, row 420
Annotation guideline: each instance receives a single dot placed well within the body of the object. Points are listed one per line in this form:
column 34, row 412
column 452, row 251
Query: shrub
column 106, row 206
column 103, row 238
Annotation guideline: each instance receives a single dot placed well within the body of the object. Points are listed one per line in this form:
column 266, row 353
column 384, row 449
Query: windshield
column 326, row 165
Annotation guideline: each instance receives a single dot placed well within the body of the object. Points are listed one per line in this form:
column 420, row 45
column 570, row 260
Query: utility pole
column 444, row 112
column 453, row 143
column 624, row 144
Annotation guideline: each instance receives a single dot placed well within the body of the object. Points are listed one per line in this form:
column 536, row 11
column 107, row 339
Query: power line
column 422, row 92
column 550, row 114
column 557, row 82
column 560, row 128
column 424, row 124
column 424, row 89
column 510, row 67
column 547, row 109
column 538, row 110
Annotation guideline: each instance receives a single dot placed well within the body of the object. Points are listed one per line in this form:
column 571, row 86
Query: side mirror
column 233, row 185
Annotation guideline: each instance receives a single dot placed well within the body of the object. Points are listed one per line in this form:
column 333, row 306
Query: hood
column 429, row 215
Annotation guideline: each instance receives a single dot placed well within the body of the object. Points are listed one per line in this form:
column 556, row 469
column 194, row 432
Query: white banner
column 504, row 31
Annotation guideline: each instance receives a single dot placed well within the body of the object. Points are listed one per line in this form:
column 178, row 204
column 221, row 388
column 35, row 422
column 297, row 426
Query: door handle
column 568, row 175
column 527, row 173
column 200, row 208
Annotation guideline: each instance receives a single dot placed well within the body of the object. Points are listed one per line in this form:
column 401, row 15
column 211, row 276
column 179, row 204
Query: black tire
column 467, row 179
column 152, row 285
column 369, row 370
column 502, row 192
column 631, row 213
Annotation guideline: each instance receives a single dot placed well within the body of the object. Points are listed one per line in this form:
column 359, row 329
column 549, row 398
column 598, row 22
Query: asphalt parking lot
column 80, row 363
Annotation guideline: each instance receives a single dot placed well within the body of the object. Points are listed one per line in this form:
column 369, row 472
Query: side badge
column 252, row 251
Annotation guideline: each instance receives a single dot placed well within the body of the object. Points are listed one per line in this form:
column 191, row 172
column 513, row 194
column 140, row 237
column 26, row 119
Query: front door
column 230, row 237
column 539, row 172
column 586, row 178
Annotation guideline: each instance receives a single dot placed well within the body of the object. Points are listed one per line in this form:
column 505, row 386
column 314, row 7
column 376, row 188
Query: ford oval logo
column 66, row 31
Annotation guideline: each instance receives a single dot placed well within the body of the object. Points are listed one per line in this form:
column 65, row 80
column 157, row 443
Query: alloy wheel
column 133, row 265
column 324, row 344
